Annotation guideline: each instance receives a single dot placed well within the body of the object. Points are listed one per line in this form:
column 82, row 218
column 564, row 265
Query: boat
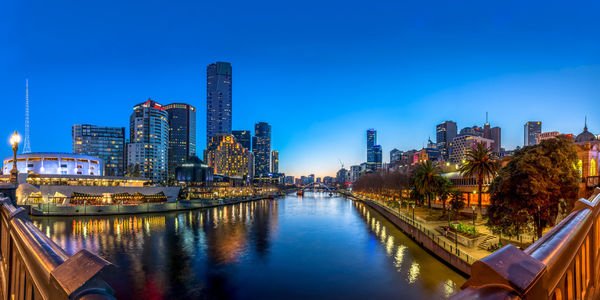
column 300, row 193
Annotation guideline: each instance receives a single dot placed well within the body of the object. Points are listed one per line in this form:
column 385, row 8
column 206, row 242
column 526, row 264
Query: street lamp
column 473, row 208
column 15, row 139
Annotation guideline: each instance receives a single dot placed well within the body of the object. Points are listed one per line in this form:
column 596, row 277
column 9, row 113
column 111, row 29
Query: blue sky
column 320, row 72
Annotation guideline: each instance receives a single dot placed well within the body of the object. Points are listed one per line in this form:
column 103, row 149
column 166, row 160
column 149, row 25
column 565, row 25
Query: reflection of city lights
column 413, row 273
column 399, row 258
column 449, row 288
column 389, row 246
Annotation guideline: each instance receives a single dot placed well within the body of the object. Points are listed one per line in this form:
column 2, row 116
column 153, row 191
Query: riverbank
column 45, row 209
column 428, row 239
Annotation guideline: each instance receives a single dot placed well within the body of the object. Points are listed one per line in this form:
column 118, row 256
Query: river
column 310, row 247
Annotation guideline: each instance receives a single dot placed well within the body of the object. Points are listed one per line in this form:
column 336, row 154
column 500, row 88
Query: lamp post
column 15, row 139
column 413, row 208
column 473, row 208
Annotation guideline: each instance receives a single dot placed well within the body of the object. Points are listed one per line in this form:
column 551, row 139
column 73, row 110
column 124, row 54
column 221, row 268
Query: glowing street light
column 15, row 139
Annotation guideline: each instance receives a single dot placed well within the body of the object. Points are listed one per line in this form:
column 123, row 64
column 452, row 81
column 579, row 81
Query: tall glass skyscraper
column 531, row 128
column 218, row 99
column 148, row 141
column 243, row 137
column 445, row 132
column 107, row 143
column 371, row 141
column 182, row 135
column 274, row 161
column 261, row 147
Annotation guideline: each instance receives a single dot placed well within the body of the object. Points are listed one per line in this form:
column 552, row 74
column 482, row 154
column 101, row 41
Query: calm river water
column 311, row 247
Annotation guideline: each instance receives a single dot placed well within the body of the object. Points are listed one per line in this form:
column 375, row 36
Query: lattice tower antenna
column 26, row 144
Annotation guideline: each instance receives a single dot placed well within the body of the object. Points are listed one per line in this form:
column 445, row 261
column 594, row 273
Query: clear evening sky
column 320, row 72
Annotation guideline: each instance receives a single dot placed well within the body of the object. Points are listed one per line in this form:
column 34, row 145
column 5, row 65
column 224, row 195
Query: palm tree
column 444, row 191
column 426, row 179
column 481, row 164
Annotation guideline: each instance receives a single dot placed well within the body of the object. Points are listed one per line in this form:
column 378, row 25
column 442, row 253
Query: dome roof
column 585, row 136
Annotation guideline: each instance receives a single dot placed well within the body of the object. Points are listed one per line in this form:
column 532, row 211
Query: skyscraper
column 107, row 143
column 148, row 141
column 261, row 147
column 496, row 135
column 445, row 132
column 182, row 135
column 274, row 161
column 243, row 137
column 218, row 99
column 377, row 155
column 371, row 141
column 531, row 128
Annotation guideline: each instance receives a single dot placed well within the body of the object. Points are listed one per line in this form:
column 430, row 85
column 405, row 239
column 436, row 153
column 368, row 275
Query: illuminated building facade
column 54, row 163
column 243, row 137
column 531, row 130
column 148, row 146
column 106, row 143
column 227, row 157
column 546, row 135
column 274, row 161
column 182, row 135
column 445, row 132
column 218, row 99
column 261, row 147
column 461, row 145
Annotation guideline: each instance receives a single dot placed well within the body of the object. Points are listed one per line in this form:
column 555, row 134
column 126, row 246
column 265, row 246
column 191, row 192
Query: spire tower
column 26, row 145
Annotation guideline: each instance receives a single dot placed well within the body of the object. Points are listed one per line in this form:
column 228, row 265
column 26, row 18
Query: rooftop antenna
column 26, row 145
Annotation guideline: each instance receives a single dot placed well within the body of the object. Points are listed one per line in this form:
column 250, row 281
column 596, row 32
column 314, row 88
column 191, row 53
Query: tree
column 426, row 180
column 535, row 185
column 457, row 201
column 444, row 191
column 481, row 164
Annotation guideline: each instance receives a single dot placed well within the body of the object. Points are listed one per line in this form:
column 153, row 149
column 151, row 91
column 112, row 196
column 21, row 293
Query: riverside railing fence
column 32, row 266
column 563, row 264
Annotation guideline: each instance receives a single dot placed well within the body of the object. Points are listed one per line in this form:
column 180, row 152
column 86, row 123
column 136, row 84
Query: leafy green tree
column 537, row 183
column 480, row 164
column 426, row 180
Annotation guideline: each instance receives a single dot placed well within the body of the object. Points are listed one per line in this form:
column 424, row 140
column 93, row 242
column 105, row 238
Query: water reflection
column 298, row 247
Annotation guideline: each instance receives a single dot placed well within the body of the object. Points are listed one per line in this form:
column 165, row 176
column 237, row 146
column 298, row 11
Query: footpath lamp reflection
column 15, row 139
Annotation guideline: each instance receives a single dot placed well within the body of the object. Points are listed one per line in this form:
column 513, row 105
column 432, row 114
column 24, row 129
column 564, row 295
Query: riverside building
column 182, row 135
column 106, row 143
column 149, row 141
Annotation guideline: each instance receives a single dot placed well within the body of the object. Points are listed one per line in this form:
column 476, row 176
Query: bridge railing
column 563, row 264
column 32, row 266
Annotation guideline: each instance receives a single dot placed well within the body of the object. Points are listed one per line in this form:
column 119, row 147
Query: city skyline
column 402, row 90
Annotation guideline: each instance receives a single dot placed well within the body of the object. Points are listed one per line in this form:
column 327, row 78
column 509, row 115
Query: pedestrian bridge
column 34, row 267
column 563, row 264
column 318, row 186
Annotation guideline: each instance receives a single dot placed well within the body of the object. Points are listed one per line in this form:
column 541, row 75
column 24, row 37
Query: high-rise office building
column 218, row 99
column 531, row 128
column 243, row 137
column 371, row 141
column 395, row 156
column 378, row 157
column 274, row 161
column 227, row 157
column 261, row 147
column 148, row 146
column 107, row 143
column 182, row 135
column 473, row 131
column 445, row 132
column 496, row 136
